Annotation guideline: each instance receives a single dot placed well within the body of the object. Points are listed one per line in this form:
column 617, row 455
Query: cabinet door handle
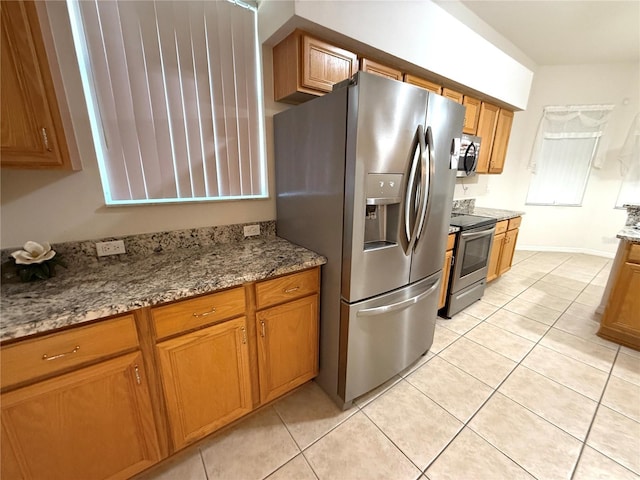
column 136, row 370
column 291, row 290
column 60, row 355
column 45, row 139
column 262, row 328
column 204, row 314
column 244, row 335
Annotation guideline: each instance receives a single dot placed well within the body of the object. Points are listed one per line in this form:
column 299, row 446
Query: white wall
column 419, row 32
column 592, row 227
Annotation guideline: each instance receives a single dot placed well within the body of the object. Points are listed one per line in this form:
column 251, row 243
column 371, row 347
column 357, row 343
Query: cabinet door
column 487, row 122
column 287, row 346
column 206, row 381
column 494, row 258
column 471, row 115
column 324, row 65
column 623, row 308
column 501, row 141
column 421, row 82
column 506, row 258
column 376, row 68
column 452, row 95
column 446, row 274
column 92, row 423
column 32, row 134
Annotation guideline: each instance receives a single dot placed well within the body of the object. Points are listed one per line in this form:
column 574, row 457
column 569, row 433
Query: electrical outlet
column 115, row 247
column 251, row 230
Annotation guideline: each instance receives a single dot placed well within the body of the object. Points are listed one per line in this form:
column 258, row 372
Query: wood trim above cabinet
column 421, row 82
column 32, row 128
column 376, row 68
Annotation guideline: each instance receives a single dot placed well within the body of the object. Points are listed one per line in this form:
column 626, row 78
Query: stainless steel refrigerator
column 365, row 176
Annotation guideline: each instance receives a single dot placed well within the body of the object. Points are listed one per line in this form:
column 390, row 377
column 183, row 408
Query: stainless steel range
column 471, row 261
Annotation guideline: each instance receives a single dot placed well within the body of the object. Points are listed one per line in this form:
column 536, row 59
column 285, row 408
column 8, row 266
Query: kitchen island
column 620, row 304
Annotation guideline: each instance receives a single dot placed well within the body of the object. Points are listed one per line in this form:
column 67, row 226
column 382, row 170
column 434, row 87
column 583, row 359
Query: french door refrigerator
column 365, row 176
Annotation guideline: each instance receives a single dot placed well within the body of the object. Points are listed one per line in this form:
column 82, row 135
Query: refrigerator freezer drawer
column 385, row 335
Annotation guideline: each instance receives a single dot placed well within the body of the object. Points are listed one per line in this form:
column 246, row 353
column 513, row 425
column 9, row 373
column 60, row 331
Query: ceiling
column 560, row 32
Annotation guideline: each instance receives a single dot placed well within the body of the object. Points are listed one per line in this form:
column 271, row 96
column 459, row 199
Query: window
column 174, row 94
column 563, row 153
column 630, row 166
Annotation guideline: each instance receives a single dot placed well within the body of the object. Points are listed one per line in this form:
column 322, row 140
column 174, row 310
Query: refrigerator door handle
column 428, row 172
column 392, row 307
column 410, row 219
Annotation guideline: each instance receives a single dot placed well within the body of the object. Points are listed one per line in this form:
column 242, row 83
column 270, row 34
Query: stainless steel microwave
column 468, row 157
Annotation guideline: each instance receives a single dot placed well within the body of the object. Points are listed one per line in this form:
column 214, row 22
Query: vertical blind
column 174, row 95
column 563, row 153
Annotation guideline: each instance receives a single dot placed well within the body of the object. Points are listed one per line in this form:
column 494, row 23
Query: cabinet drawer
column 39, row 357
column 286, row 288
column 634, row 253
column 197, row 312
column 501, row 227
column 515, row 223
column 451, row 241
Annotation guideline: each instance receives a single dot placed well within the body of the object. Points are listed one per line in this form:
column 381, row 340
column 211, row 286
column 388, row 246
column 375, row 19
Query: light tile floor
column 516, row 386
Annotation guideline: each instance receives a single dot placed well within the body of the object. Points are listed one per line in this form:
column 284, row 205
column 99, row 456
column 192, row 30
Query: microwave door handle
column 470, row 168
column 409, row 218
column 428, row 172
column 393, row 307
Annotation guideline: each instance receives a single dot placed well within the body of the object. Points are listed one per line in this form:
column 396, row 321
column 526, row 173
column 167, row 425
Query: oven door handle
column 483, row 233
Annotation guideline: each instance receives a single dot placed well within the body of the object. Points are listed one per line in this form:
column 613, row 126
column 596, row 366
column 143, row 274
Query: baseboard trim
column 588, row 251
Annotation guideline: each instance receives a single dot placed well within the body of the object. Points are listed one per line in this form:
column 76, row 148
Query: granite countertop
column 631, row 234
column 453, row 229
column 83, row 293
column 498, row 214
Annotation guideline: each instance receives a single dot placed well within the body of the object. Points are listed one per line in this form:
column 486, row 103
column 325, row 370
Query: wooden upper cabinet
column 471, row 115
column 32, row 134
column 452, row 95
column 421, row 82
column 501, row 141
column 376, row 68
column 487, row 122
column 304, row 67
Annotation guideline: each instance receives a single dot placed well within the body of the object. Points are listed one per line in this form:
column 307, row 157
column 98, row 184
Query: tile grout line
column 466, row 424
column 204, row 465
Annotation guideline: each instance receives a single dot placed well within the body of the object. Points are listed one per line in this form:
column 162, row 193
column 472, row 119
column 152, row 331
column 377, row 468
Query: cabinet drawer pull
column 60, row 355
column 291, row 290
column 262, row 333
column 204, row 314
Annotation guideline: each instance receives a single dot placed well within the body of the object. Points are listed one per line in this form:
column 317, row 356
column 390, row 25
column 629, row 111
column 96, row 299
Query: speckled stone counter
column 453, row 229
column 91, row 291
column 496, row 213
column 629, row 234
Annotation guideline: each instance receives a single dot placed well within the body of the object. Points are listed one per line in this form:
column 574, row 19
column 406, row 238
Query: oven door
column 472, row 257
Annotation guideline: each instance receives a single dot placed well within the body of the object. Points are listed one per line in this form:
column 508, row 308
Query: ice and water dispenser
column 382, row 213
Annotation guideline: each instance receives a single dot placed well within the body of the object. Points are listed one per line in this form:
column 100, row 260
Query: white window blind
column 563, row 153
column 174, row 92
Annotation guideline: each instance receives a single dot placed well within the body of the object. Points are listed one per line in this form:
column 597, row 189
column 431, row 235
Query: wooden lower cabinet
column 621, row 319
column 287, row 346
column 93, row 423
column 446, row 270
column 503, row 248
column 206, row 379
